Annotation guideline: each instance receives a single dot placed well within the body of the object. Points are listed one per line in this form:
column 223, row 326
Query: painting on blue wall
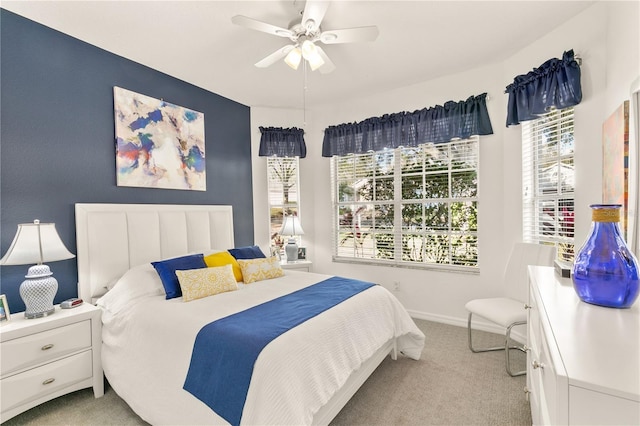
column 158, row 144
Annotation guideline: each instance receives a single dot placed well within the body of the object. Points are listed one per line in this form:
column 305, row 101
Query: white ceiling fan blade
column 349, row 35
column 313, row 14
column 275, row 56
column 254, row 24
column 328, row 65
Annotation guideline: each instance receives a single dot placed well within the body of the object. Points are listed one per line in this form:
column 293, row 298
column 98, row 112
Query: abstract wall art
column 158, row 144
column 615, row 162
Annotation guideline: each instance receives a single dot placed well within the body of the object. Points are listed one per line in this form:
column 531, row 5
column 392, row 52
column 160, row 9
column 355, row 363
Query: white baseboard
column 517, row 333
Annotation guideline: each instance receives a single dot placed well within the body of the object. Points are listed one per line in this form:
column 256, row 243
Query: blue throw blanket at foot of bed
column 225, row 350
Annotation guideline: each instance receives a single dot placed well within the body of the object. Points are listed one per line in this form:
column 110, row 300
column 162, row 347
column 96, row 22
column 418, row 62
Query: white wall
column 605, row 32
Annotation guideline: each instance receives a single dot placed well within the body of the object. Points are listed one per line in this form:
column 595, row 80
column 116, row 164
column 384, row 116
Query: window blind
column 549, row 181
column 413, row 206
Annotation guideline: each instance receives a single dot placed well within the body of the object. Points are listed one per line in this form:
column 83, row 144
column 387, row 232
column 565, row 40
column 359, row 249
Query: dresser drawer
column 32, row 384
column 548, row 384
column 28, row 351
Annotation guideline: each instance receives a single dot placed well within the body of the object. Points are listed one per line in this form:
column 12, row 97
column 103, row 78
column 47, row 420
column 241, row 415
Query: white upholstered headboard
column 112, row 238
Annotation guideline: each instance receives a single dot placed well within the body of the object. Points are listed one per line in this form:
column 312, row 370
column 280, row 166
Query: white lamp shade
column 315, row 62
column 36, row 243
column 291, row 226
column 293, row 58
column 311, row 54
column 308, row 49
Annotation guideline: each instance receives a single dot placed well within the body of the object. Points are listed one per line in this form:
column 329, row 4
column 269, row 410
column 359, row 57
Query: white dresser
column 43, row 358
column 583, row 362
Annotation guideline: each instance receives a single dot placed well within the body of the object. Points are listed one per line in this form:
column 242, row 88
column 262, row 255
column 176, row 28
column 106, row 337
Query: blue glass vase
column 605, row 271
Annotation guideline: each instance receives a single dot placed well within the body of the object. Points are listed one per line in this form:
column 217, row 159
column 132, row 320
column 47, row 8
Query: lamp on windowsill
column 37, row 243
column 290, row 228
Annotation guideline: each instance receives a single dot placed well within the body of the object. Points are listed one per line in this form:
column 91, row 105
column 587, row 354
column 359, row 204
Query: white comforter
column 147, row 345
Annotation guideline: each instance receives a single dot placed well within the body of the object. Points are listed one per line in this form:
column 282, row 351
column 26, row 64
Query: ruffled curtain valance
column 280, row 142
column 555, row 84
column 438, row 124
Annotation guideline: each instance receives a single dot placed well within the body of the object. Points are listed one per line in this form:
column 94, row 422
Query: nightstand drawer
column 32, row 384
column 41, row 347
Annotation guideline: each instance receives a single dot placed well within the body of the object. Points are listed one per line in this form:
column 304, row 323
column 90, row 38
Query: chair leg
column 506, row 348
column 496, row 348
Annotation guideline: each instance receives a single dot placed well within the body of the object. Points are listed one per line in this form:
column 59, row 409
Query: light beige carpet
column 449, row 385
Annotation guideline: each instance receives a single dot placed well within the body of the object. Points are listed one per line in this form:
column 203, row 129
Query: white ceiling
column 195, row 41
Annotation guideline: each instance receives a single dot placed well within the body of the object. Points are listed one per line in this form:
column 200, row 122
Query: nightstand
column 45, row 358
column 298, row 265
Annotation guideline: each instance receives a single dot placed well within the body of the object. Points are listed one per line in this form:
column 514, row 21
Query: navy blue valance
column 555, row 84
column 279, row 142
column 438, row 124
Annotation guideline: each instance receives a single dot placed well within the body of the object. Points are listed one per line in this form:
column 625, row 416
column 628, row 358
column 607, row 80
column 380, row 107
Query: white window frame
column 274, row 202
column 345, row 222
column 548, row 182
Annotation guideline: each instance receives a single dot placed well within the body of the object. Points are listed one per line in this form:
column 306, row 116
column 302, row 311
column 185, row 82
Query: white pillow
column 139, row 281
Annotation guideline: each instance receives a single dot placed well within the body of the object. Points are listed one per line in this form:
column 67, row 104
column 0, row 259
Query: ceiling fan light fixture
column 315, row 61
column 293, row 58
column 309, row 49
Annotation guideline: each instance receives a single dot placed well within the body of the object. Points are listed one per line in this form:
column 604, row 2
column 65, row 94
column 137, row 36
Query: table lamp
column 37, row 243
column 291, row 227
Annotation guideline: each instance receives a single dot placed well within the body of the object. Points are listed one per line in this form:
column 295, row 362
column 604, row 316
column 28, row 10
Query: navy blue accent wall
column 57, row 142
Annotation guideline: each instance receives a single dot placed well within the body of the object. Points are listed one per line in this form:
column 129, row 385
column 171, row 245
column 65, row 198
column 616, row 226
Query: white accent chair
column 510, row 310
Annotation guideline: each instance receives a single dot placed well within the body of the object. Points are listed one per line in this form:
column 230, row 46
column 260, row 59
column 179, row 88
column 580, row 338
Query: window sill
column 406, row 265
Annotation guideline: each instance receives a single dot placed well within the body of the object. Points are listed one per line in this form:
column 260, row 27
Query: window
column 408, row 206
column 282, row 176
column 549, row 181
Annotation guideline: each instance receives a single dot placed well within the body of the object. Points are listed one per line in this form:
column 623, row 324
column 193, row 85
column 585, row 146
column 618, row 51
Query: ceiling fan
column 304, row 34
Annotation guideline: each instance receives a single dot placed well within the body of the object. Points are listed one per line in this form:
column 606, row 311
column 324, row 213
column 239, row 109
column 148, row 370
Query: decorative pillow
column 167, row 271
column 224, row 258
column 248, row 252
column 204, row 282
column 260, row 269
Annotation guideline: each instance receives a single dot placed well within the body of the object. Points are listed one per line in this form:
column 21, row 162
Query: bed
column 304, row 376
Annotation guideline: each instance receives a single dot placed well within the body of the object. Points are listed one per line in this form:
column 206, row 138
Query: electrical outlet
column 396, row 286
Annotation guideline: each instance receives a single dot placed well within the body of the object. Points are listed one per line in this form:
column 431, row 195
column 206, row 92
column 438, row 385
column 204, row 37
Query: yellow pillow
column 203, row 282
column 260, row 269
column 224, row 258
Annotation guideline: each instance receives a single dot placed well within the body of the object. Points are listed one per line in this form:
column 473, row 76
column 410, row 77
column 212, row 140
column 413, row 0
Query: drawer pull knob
column 526, row 348
column 47, row 347
column 49, row 381
column 527, row 306
column 535, row 364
